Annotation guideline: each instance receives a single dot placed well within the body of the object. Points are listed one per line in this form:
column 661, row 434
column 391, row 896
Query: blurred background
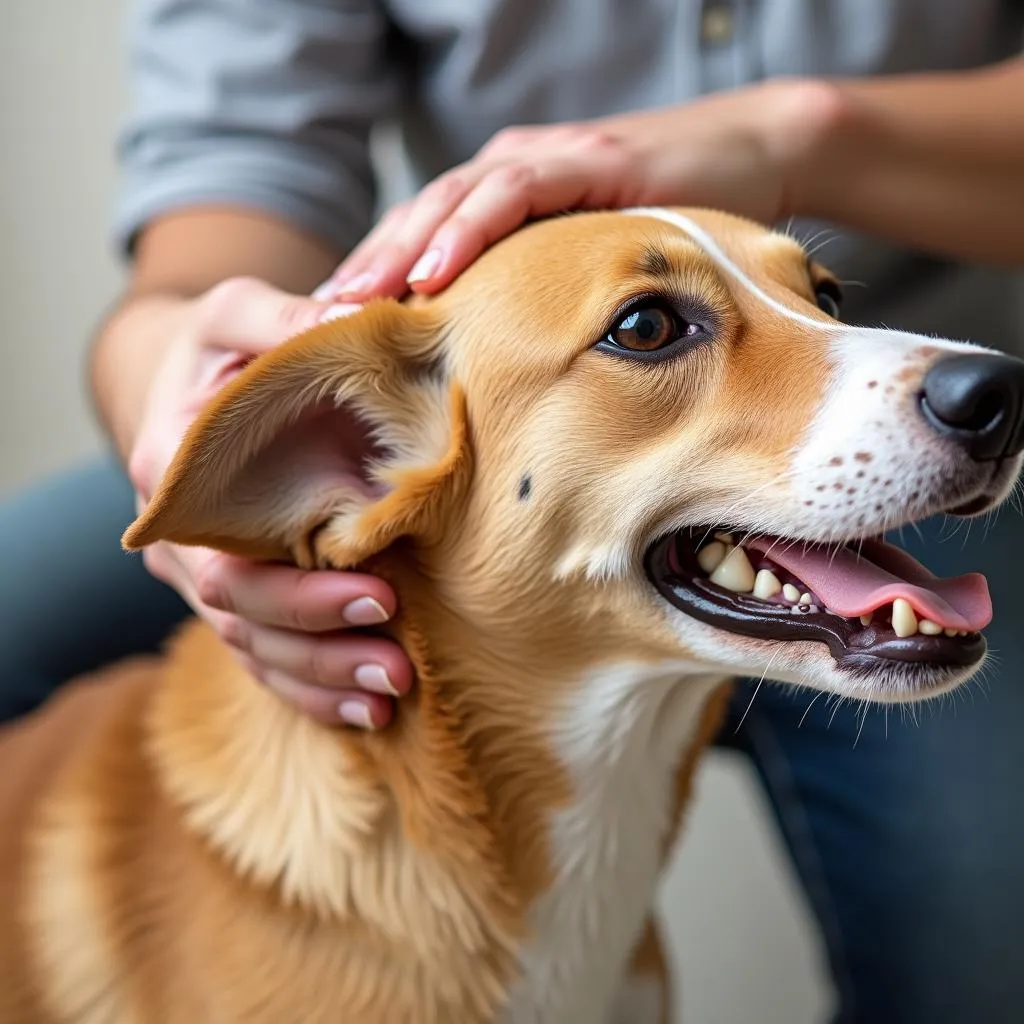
column 745, row 947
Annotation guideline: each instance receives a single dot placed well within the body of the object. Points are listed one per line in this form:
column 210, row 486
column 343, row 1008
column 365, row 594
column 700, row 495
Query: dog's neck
column 449, row 828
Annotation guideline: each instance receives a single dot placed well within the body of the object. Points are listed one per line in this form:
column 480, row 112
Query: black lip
column 853, row 646
column 974, row 507
column 987, row 498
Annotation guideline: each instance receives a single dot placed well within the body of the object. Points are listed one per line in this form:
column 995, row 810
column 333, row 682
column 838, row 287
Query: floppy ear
column 323, row 451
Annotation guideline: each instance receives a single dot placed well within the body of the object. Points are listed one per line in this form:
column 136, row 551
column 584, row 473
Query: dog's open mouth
column 867, row 600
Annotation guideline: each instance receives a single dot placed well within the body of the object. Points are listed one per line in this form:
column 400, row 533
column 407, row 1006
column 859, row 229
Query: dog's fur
column 177, row 844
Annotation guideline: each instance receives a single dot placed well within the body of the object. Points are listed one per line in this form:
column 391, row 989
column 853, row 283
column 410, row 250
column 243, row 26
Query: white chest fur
column 622, row 736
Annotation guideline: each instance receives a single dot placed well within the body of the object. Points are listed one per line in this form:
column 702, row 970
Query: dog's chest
column 622, row 739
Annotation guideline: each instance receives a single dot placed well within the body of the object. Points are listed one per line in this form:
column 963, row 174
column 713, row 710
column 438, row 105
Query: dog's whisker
column 807, row 710
column 757, row 689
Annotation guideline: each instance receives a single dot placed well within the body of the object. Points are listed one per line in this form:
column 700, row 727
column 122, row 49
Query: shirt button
column 717, row 24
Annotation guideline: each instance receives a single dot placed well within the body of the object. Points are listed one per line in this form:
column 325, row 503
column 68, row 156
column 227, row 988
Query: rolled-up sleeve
column 263, row 103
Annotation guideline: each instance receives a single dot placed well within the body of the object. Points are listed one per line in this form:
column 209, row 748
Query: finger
column 252, row 317
column 394, row 251
column 355, row 266
column 335, row 661
column 163, row 561
column 358, row 260
column 291, row 598
column 332, row 707
column 500, row 204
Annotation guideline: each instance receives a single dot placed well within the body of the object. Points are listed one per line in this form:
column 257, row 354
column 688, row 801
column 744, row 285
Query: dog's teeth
column 865, row 620
column 710, row 558
column 949, row 632
column 725, row 538
column 735, row 572
column 963, row 632
column 790, row 593
column 766, row 584
column 929, row 628
column 805, row 599
column 904, row 621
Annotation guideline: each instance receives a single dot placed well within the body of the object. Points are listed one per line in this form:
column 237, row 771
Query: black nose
column 979, row 401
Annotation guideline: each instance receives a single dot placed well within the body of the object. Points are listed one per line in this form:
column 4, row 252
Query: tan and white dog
column 624, row 457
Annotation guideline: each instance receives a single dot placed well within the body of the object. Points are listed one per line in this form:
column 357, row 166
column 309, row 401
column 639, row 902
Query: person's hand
column 739, row 151
column 293, row 630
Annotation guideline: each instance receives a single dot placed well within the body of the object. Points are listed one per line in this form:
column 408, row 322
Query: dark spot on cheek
column 872, row 383
column 863, row 456
column 525, row 486
column 837, row 461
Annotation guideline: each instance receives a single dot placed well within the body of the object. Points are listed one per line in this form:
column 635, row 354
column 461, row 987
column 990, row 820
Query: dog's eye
column 644, row 330
column 829, row 297
column 648, row 328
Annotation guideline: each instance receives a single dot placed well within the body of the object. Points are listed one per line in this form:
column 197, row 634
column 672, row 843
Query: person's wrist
column 802, row 125
column 129, row 349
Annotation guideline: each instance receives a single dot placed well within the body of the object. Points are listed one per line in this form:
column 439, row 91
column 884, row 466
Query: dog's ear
column 323, row 451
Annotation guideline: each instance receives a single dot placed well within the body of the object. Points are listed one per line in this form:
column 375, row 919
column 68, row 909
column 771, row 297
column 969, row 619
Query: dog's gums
column 869, row 602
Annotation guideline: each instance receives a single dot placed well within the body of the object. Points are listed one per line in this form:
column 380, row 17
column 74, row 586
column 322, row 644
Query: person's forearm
column 177, row 258
column 930, row 161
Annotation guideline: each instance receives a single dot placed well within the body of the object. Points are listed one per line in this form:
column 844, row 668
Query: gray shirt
column 272, row 103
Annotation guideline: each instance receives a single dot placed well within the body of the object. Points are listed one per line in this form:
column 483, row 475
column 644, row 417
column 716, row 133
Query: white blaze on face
column 729, row 267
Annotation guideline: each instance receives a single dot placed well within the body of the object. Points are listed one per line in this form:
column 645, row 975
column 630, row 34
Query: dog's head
column 640, row 433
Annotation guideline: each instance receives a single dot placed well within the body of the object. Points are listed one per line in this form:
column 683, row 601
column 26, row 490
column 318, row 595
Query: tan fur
column 178, row 844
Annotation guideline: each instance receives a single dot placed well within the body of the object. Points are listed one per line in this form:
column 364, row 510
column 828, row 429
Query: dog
column 626, row 457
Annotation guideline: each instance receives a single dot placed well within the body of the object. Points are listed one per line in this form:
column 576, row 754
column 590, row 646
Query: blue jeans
column 906, row 828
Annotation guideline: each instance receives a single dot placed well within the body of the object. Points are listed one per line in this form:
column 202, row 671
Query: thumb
column 251, row 317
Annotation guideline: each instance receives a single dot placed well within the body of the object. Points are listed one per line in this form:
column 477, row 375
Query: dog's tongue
column 852, row 584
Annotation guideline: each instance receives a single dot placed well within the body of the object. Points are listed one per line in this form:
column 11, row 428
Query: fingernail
column 326, row 290
column 359, row 284
column 355, row 712
column 425, row 266
column 364, row 611
column 375, row 678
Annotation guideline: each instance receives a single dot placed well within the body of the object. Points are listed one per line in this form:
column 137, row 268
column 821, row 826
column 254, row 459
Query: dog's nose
column 978, row 400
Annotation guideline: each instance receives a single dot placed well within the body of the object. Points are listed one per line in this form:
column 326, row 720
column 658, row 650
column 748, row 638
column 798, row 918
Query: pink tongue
column 851, row 585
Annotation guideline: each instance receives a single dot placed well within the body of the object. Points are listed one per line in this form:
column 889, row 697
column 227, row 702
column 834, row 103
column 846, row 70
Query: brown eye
column 645, row 330
column 651, row 329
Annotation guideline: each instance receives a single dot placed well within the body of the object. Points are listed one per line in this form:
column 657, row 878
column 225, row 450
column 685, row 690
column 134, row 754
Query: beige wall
column 737, row 923
column 60, row 95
